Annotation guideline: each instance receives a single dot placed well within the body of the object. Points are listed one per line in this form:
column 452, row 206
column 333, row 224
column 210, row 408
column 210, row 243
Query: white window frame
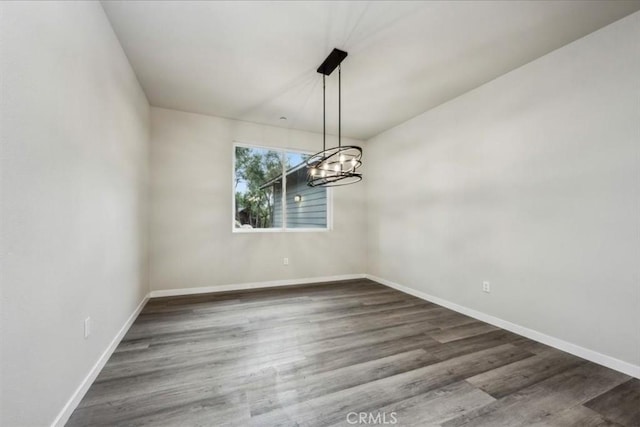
column 284, row 228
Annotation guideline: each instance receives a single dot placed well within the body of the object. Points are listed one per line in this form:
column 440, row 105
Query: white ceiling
column 256, row 61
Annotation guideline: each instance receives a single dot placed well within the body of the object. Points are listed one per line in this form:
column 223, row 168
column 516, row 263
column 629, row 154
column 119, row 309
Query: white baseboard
column 82, row 389
column 585, row 353
column 252, row 285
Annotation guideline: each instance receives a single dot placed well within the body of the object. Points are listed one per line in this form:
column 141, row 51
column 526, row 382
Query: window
column 271, row 192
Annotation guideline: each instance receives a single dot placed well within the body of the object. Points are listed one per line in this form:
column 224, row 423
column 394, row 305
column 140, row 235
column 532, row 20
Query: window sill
column 279, row 230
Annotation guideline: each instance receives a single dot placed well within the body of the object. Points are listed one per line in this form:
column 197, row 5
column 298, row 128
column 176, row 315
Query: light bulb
column 325, row 166
column 353, row 162
column 341, row 158
column 323, row 173
column 336, row 168
column 313, row 171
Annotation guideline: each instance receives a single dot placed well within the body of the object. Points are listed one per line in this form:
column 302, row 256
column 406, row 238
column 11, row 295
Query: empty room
column 320, row 213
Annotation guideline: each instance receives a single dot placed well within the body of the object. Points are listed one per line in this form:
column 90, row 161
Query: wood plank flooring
column 321, row 355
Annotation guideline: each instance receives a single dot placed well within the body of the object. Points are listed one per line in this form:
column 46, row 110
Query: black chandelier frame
column 335, row 166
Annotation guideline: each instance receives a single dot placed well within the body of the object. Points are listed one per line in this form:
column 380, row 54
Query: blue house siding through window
column 310, row 211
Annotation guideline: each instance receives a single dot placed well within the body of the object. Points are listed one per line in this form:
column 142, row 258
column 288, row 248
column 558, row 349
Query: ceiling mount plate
column 333, row 60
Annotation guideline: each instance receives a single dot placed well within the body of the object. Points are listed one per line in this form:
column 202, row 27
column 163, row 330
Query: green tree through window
column 254, row 167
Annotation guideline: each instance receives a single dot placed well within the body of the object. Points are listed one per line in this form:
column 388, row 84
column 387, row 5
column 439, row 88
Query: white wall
column 531, row 182
column 74, row 135
column 192, row 244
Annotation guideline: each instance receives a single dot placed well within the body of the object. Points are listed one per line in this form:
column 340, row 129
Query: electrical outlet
column 486, row 286
column 87, row 327
column 285, row 261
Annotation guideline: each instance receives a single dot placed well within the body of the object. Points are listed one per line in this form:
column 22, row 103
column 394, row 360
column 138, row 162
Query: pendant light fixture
column 333, row 166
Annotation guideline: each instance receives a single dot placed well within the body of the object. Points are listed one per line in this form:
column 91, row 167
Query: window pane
column 258, row 188
column 306, row 206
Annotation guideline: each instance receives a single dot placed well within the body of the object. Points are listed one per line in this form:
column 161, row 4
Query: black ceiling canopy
column 333, row 60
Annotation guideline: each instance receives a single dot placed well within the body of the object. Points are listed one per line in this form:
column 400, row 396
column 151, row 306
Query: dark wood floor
column 311, row 355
